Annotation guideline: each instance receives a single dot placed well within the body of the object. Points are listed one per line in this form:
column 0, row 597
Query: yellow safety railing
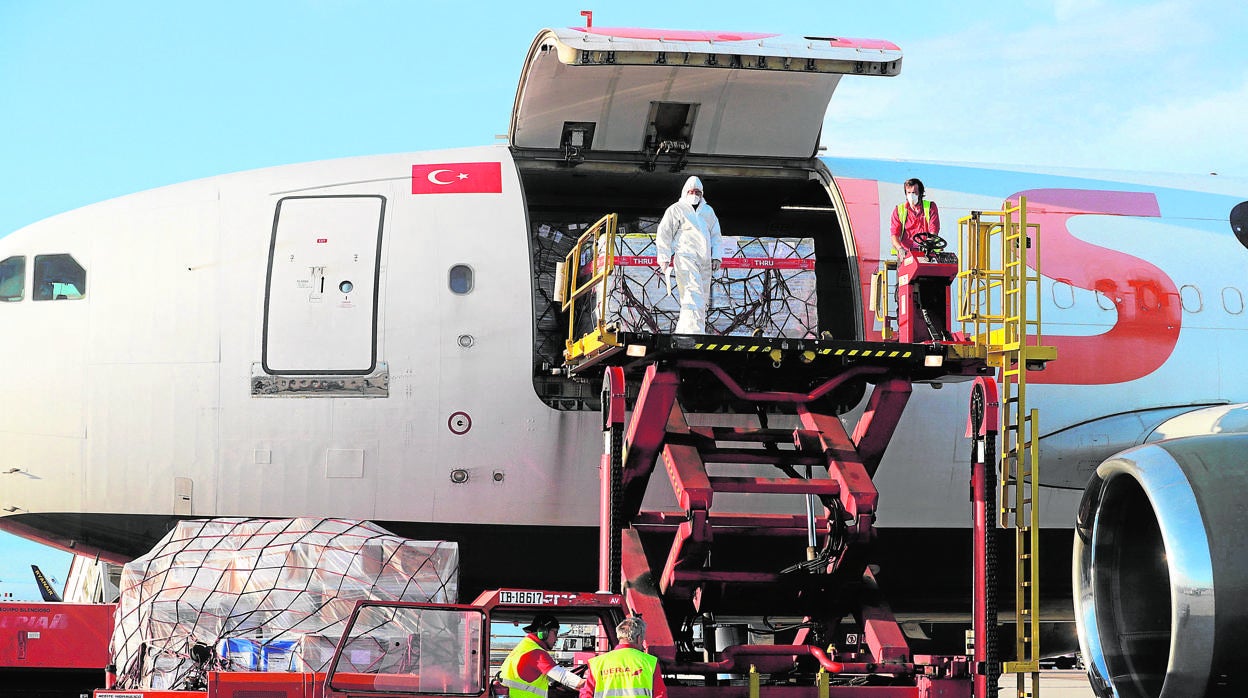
column 880, row 301
column 999, row 308
column 593, row 257
column 999, row 294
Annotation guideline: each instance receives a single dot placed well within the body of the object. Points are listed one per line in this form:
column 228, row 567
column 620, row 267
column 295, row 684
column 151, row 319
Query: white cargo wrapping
column 256, row 593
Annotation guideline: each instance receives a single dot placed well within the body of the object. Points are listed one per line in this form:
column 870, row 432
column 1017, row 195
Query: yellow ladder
column 999, row 308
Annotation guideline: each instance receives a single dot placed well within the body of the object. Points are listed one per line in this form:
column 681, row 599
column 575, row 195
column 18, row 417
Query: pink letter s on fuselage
column 1146, row 299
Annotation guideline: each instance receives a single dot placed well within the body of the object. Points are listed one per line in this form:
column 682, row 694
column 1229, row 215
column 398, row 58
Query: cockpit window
column 12, row 279
column 58, row 277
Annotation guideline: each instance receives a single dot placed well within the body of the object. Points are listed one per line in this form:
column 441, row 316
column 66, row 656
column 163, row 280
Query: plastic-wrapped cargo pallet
column 265, row 595
column 766, row 286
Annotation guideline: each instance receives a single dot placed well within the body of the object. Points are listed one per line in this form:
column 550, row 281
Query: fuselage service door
column 648, row 91
column 320, row 310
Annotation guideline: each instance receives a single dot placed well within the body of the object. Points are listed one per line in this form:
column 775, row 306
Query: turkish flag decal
column 458, row 178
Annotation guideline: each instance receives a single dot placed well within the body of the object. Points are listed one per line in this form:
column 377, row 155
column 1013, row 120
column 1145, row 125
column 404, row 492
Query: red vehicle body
column 45, row 645
column 415, row 649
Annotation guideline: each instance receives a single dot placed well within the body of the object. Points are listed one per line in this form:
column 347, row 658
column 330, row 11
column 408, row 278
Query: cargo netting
column 766, row 287
column 263, row 595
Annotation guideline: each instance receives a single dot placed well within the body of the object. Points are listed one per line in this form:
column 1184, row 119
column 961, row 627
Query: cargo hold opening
column 765, row 202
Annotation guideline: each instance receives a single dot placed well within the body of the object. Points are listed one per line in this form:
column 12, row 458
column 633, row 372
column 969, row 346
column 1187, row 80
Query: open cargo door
column 652, row 91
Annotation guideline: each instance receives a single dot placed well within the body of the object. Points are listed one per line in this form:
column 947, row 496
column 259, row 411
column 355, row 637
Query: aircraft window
column 12, row 279
column 59, row 277
column 1103, row 302
column 1063, row 295
column 461, row 279
column 1191, row 299
column 1232, row 300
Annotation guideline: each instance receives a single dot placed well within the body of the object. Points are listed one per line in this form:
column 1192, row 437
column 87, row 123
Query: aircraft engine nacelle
column 1160, row 570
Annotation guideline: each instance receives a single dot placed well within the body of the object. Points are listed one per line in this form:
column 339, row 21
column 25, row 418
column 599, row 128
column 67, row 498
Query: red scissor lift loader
column 702, row 566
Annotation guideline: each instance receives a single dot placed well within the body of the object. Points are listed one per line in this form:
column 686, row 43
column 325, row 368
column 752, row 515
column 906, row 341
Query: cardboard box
column 277, row 655
column 239, row 653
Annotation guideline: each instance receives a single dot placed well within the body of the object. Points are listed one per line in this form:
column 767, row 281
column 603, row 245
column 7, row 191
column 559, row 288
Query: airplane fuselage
column 376, row 337
column 157, row 392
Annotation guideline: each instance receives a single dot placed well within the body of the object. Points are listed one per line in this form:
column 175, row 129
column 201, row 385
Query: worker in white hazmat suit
column 688, row 241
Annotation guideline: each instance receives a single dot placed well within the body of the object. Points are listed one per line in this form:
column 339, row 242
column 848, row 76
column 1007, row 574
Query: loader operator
column 688, row 241
column 913, row 219
column 626, row 671
column 529, row 669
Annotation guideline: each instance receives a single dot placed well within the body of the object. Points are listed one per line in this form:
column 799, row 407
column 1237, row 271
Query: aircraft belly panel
column 50, row 478
column 168, row 429
column 286, row 477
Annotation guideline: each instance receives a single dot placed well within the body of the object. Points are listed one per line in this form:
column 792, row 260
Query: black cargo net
column 551, row 242
column 766, row 287
column 263, row 595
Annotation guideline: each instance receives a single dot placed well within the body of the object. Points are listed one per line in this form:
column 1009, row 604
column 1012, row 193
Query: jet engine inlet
column 1160, row 578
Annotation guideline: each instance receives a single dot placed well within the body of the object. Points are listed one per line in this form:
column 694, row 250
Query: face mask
column 692, row 199
column 912, row 198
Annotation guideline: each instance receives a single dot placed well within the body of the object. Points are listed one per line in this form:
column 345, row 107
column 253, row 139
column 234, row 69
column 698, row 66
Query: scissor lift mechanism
column 695, row 571
column 674, row 566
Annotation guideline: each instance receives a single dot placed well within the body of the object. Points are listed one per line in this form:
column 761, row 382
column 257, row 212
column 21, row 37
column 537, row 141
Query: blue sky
column 101, row 99
column 16, row 557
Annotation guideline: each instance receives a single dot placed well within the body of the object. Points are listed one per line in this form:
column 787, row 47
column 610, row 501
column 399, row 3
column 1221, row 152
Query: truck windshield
column 411, row 650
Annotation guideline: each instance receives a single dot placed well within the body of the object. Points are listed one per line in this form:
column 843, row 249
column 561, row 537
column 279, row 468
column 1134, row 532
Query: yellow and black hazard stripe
column 897, row 353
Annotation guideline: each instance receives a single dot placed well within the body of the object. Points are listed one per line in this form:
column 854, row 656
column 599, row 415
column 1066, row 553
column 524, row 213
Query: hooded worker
column 688, row 241
column 529, row 668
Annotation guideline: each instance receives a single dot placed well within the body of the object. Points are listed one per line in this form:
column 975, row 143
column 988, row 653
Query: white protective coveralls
column 688, row 240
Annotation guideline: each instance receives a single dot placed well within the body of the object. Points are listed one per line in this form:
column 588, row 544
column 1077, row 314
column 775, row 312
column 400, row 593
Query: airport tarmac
column 1053, row 684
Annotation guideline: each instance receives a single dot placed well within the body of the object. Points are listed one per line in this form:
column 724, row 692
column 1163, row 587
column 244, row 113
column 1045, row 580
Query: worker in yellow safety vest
column 626, row 671
column 529, row 668
column 912, row 218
